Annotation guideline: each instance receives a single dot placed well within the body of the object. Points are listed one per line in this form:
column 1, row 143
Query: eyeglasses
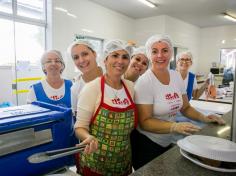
column 53, row 61
column 186, row 60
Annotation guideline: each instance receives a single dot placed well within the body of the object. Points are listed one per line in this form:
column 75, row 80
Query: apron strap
column 191, row 77
column 102, row 88
column 132, row 104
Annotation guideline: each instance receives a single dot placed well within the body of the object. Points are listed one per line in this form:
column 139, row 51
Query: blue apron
column 65, row 101
column 191, row 77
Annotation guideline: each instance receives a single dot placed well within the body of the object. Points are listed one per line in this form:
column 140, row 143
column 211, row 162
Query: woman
column 138, row 64
column 184, row 61
column 84, row 57
column 54, row 89
column 106, row 119
column 159, row 95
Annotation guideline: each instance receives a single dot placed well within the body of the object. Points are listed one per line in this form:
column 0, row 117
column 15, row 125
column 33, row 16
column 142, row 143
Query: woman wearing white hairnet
column 106, row 119
column 54, row 89
column 159, row 95
column 184, row 61
column 84, row 57
column 138, row 64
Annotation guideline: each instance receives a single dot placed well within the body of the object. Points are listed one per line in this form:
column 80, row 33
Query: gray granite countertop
column 172, row 163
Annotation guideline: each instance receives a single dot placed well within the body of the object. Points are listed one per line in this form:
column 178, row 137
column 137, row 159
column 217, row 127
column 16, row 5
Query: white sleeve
column 143, row 91
column 86, row 106
column 195, row 83
column 31, row 96
column 82, row 119
column 74, row 98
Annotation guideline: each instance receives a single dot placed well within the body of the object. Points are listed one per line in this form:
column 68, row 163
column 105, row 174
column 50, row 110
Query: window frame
column 23, row 19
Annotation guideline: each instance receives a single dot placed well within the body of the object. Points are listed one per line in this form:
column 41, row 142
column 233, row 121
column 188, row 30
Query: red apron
column 112, row 127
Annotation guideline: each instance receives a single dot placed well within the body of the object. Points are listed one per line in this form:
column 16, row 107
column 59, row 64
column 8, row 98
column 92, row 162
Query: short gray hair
column 56, row 52
column 188, row 53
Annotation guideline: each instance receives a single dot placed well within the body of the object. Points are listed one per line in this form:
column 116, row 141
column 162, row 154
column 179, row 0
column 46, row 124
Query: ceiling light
column 229, row 17
column 148, row 3
column 87, row 30
column 60, row 9
column 71, row 15
column 223, row 41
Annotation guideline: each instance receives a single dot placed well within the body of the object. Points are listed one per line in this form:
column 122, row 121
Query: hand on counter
column 185, row 128
column 214, row 118
column 92, row 144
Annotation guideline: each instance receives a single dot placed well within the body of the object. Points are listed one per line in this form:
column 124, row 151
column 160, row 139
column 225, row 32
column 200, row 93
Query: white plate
column 219, row 108
column 205, row 165
column 209, row 147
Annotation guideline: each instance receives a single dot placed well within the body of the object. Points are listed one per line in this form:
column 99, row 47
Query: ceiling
column 202, row 13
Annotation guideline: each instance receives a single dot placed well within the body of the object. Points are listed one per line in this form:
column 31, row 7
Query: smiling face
column 84, row 58
column 160, row 55
column 52, row 64
column 138, row 64
column 184, row 63
column 117, row 62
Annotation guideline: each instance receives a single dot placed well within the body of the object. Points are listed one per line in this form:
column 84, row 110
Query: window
column 22, row 32
column 23, row 40
column 227, row 60
column 29, row 42
column 6, row 6
column 7, row 42
column 32, row 9
column 228, row 57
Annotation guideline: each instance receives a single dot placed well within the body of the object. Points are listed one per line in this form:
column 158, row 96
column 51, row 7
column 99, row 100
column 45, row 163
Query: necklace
column 115, row 93
column 111, row 86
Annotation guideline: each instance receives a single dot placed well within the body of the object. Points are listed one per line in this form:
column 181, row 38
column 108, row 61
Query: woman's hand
column 214, row 118
column 185, row 128
column 92, row 144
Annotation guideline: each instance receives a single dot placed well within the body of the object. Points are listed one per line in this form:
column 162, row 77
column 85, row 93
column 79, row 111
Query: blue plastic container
column 36, row 118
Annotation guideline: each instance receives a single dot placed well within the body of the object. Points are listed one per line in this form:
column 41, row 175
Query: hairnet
column 157, row 38
column 188, row 53
column 80, row 42
column 139, row 50
column 56, row 52
column 116, row 45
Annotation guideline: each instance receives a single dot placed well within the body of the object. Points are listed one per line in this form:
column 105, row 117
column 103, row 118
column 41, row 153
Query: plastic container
column 209, row 147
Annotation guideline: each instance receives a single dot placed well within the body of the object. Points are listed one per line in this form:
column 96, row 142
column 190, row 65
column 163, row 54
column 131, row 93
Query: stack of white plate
column 208, row 147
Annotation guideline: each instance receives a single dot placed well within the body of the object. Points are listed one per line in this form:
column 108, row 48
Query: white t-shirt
column 52, row 93
column 75, row 91
column 166, row 100
column 194, row 82
column 87, row 106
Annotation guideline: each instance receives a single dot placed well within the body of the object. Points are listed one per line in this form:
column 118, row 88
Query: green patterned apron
column 112, row 127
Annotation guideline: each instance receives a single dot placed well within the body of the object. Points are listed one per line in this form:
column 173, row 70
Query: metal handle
column 54, row 154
